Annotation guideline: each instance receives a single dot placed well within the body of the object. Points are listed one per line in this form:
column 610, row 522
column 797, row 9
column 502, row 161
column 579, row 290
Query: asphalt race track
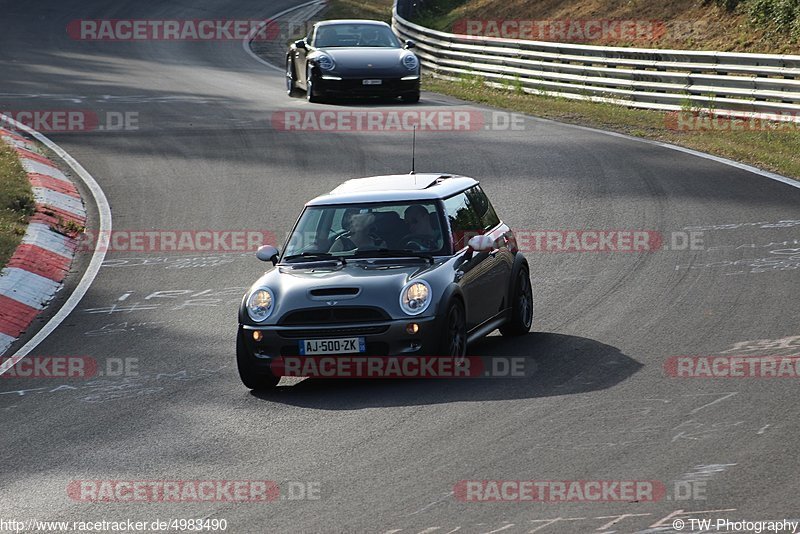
column 385, row 455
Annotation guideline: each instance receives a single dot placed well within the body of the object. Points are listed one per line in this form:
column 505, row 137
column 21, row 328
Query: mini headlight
column 325, row 62
column 415, row 297
column 410, row 61
column 260, row 304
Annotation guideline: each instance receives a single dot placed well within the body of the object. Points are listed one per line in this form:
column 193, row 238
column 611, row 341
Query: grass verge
column 16, row 202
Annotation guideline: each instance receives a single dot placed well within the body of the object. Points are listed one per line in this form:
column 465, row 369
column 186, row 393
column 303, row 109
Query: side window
column 483, row 207
column 464, row 219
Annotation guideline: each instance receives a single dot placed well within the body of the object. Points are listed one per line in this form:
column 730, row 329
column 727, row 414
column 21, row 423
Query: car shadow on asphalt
column 554, row 365
column 374, row 102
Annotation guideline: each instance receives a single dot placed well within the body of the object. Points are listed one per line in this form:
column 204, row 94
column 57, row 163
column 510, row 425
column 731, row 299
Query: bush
column 783, row 15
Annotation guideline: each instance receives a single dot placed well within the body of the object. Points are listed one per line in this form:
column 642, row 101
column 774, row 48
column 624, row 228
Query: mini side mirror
column 410, row 44
column 481, row 243
column 267, row 253
column 300, row 44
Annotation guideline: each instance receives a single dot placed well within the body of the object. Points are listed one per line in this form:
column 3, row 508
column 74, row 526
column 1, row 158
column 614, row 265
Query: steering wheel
column 419, row 242
column 349, row 244
column 345, row 243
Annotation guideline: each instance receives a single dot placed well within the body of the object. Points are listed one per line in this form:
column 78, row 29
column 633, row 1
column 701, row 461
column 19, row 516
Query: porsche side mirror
column 300, row 44
column 267, row 253
column 410, row 44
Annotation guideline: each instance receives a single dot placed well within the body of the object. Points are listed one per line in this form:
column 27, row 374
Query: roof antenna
column 413, row 151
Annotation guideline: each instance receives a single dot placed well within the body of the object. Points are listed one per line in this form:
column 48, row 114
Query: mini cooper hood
column 364, row 61
column 378, row 284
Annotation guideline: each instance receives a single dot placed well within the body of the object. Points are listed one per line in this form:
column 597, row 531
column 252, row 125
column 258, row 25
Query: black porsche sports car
column 413, row 265
column 352, row 58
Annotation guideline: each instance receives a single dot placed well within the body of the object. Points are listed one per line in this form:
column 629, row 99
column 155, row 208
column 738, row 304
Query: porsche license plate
column 332, row 346
column 372, row 82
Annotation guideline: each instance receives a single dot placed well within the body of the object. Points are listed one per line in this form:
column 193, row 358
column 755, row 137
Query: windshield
column 355, row 229
column 366, row 35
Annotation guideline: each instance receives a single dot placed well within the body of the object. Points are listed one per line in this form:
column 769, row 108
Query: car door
column 502, row 265
column 476, row 269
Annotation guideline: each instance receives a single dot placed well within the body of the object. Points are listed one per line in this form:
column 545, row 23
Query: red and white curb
column 35, row 272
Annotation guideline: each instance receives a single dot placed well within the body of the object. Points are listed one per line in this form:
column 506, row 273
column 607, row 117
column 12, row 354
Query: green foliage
column 783, row 15
column 728, row 5
column 15, row 191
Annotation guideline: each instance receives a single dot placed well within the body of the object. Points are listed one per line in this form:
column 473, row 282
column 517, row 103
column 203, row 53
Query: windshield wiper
column 393, row 253
column 315, row 256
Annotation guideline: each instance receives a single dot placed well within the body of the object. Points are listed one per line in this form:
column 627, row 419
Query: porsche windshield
column 351, row 229
column 366, row 35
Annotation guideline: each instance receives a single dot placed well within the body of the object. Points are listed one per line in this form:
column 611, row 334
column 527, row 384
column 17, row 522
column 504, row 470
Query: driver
column 360, row 234
column 418, row 221
column 371, row 36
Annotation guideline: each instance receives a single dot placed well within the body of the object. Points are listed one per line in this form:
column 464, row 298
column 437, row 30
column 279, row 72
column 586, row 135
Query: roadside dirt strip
column 35, row 272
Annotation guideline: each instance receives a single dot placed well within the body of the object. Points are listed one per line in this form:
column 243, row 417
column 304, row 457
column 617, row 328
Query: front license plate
column 372, row 82
column 332, row 346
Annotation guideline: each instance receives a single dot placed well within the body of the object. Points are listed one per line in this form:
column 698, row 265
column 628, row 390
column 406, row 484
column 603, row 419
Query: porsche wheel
column 291, row 85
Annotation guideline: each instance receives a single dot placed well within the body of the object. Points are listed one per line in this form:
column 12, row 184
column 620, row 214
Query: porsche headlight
column 260, row 304
column 415, row 297
column 325, row 62
column 410, row 61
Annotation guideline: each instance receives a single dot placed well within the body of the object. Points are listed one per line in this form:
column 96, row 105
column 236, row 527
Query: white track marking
column 246, row 42
column 104, row 211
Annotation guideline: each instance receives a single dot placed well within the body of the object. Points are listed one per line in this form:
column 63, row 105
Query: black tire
column 291, row 85
column 411, row 99
column 453, row 342
column 252, row 378
column 311, row 96
column 522, row 307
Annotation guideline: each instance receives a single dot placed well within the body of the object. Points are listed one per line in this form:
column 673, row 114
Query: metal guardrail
column 722, row 82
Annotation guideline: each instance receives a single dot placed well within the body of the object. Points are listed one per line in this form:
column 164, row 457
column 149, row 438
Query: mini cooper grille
column 333, row 315
column 334, row 292
column 333, row 332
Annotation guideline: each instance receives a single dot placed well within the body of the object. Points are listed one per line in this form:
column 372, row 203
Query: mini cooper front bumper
column 385, row 338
